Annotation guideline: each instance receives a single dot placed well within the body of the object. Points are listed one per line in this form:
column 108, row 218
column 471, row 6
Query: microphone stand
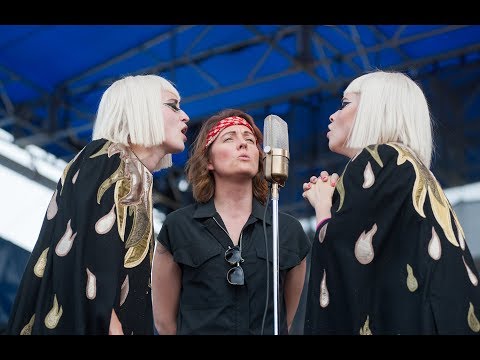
column 275, row 256
column 276, row 172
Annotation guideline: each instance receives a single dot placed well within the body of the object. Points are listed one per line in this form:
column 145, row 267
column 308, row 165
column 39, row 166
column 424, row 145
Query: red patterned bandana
column 224, row 123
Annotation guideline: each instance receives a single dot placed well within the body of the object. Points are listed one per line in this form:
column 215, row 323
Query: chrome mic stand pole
column 275, row 256
column 276, row 171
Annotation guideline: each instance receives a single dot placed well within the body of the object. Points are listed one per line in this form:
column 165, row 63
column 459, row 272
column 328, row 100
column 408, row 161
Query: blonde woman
column 89, row 272
column 389, row 255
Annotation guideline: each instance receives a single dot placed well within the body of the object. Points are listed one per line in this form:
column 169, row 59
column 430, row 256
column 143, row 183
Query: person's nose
column 184, row 117
column 331, row 118
column 242, row 144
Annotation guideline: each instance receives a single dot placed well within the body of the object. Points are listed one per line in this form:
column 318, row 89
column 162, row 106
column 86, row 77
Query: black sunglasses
column 235, row 275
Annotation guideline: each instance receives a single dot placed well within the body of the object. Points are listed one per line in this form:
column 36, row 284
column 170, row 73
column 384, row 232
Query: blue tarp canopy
column 52, row 77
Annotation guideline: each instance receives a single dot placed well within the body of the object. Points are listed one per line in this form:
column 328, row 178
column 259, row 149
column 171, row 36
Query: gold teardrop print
column 472, row 319
column 116, row 176
column 373, row 150
column 105, row 223
column 368, row 176
column 54, row 315
column 66, row 242
column 434, row 246
column 365, row 330
column 364, row 247
column 39, row 267
column 141, row 227
column 125, row 288
column 91, row 289
column 441, row 209
column 27, row 329
column 425, row 182
column 461, row 239
column 143, row 243
column 66, row 169
column 412, row 282
column 121, row 188
column 136, row 254
column 74, row 178
column 324, row 295
column 52, row 207
column 471, row 275
column 102, row 151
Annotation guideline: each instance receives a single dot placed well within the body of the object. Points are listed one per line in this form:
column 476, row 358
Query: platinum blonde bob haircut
column 392, row 108
column 130, row 112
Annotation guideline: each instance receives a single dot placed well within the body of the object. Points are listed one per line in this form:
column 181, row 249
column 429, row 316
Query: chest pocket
column 196, row 255
column 287, row 258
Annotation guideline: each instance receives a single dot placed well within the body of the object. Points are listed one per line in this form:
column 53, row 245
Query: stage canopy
column 52, row 77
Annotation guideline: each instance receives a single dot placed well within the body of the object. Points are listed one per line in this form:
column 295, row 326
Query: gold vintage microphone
column 275, row 132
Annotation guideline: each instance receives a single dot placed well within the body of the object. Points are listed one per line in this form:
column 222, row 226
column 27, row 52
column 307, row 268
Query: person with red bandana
column 212, row 267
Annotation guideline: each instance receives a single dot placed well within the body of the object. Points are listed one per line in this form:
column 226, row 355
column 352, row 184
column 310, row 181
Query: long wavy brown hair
column 198, row 175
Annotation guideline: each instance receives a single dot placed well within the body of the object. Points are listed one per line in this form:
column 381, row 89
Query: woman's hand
column 319, row 192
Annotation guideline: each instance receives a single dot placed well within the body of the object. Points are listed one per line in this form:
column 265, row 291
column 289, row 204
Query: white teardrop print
column 105, row 223
column 66, row 242
column 91, row 289
column 124, row 290
column 368, row 176
column 74, row 178
column 473, row 278
column 324, row 294
column 322, row 233
column 52, row 207
column 434, row 246
column 364, row 247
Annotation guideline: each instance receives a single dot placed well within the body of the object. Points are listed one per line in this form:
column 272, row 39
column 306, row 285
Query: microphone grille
column 275, row 132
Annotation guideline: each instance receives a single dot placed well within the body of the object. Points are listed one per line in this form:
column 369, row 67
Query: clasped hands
column 317, row 192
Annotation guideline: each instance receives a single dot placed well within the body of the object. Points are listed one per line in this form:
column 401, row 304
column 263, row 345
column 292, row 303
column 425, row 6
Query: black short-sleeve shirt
column 196, row 237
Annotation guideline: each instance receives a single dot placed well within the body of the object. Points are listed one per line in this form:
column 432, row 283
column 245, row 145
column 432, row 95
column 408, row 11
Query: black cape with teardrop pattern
column 392, row 259
column 80, row 268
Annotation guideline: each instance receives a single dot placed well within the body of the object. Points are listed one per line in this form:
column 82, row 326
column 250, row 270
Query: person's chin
column 178, row 148
column 181, row 148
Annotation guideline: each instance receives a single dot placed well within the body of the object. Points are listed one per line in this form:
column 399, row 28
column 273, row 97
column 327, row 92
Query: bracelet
column 321, row 223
